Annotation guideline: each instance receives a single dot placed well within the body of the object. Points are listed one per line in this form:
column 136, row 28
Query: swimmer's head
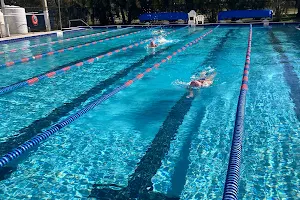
column 196, row 84
column 152, row 43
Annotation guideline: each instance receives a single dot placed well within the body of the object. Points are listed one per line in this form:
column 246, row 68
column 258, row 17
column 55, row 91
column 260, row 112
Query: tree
column 103, row 11
column 298, row 6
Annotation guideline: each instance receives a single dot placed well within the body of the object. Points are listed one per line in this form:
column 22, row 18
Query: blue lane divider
column 44, row 135
column 233, row 172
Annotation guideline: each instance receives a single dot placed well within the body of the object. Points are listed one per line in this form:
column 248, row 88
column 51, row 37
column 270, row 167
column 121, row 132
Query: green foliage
column 298, row 6
column 105, row 11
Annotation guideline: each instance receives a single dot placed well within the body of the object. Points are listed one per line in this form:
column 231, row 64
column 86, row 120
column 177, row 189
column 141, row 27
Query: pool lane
column 289, row 38
column 178, row 178
column 270, row 167
column 290, row 75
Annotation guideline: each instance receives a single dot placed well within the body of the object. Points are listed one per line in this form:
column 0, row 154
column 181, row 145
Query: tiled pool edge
column 254, row 24
column 10, row 40
column 45, row 34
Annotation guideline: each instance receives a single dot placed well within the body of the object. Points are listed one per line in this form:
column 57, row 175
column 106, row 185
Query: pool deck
column 18, row 37
column 32, row 34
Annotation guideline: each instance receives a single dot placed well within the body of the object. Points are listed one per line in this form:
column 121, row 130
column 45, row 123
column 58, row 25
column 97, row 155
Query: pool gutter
column 35, row 35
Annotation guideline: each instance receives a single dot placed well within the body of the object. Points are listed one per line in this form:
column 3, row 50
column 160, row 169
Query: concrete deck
column 18, row 37
column 32, row 34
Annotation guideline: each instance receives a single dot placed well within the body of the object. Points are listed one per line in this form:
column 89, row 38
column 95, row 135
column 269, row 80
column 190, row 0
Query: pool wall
column 50, row 34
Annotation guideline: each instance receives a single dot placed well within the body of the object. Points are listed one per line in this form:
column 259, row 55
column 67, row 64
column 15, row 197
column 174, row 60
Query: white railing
column 78, row 20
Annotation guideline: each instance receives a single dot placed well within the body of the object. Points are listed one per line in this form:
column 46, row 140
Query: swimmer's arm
column 203, row 74
column 211, row 77
column 191, row 92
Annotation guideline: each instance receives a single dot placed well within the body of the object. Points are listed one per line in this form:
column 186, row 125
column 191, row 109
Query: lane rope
column 231, row 187
column 34, row 80
column 60, row 41
column 7, row 158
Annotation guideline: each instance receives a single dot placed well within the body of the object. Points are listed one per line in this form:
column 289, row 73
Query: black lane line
column 140, row 184
column 74, row 62
column 289, row 74
column 286, row 145
column 38, row 125
column 179, row 176
column 288, row 141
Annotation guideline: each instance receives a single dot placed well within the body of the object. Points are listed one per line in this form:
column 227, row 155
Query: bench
column 169, row 16
column 243, row 14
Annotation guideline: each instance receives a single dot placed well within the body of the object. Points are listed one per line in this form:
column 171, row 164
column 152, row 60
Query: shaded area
column 6, row 172
column 290, row 75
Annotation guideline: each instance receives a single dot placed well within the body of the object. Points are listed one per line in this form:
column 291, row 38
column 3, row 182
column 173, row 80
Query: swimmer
column 161, row 40
column 152, row 44
column 203, row 81
column 158, row 31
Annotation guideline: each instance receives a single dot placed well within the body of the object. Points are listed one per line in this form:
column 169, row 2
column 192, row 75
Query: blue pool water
column 104, row 153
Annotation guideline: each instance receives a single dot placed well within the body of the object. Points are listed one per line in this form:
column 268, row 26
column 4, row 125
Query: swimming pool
column 149, row 141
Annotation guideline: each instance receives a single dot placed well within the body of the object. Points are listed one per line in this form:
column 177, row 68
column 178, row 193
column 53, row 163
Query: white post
column 59, row 15
column 46, row 15
column 4, row 17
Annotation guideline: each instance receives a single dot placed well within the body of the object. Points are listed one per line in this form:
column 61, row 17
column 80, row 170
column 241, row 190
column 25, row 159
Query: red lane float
column 10, row 63
column 33, row 80
column 51, row 74
column 66, row 68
